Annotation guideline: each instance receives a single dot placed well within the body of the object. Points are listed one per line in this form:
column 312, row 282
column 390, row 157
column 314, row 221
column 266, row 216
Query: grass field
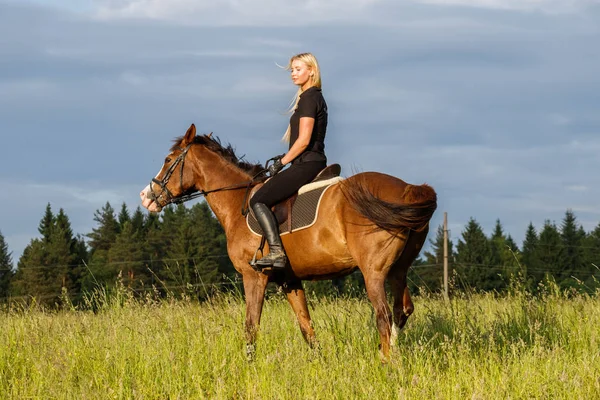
column 476, row 347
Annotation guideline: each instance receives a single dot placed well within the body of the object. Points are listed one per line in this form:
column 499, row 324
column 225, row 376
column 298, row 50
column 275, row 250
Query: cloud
column 496, row 108
column 24, row 89
column 234, row 12
column 279, row 13
column 549, row 6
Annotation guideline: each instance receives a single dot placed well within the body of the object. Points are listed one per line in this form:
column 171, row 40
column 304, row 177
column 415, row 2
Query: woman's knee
column 254, row 200
column 260, row 197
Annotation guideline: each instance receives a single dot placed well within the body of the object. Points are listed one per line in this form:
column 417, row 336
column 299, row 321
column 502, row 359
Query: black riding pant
column 287, row 182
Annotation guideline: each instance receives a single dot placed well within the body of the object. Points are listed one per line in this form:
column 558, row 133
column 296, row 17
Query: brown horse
column 374, row 222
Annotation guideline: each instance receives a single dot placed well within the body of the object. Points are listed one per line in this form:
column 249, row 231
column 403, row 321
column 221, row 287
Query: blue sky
column 493, row 102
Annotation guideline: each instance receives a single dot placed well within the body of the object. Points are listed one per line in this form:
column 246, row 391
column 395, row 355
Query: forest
column 183, row 251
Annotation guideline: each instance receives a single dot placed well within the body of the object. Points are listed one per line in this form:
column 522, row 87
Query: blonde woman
column 306, row 154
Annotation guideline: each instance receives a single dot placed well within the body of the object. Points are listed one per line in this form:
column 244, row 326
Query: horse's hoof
column 250, row 352
column 394, row 336
column 383, row 357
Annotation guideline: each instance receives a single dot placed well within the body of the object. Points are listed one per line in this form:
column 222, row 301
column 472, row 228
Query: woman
column 306, row 137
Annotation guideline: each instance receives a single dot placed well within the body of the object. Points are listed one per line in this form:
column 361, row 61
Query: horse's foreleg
column 255, row 285
column 403, row 305
column 296, row 297
column 376, row 292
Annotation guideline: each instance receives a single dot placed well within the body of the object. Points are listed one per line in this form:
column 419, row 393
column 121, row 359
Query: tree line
column 565, row 254
column 184, row 251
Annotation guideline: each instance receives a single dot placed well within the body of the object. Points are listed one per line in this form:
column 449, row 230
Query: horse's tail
column 418, row 203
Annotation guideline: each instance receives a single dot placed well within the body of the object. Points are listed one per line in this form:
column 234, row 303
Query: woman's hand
column 276, row 166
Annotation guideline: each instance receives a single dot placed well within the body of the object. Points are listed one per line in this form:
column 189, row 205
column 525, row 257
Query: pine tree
column 533, row 269
column 101, row 240
column 153, row 232
column 511, row 258
column 62, row 258
column 138, row 221
column 49, row 265
column 46, row 224
column 505, row 253
column 164, row 246
column 103, row 236
column 80, row 250
column 6, row 269
column 212, row 245
column 192, row 248
column 128, row 256
column 123, row 216
column 34, row 276
column 77, row 254
column 473, row 260
column 571, row 251
column 497, row 244
column 592, row 257
column 63, row 224
column 549, row 246
column 219, row 243
column 151, row 221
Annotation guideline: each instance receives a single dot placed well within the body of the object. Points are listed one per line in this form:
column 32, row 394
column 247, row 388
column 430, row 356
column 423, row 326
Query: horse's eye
column 167, row 160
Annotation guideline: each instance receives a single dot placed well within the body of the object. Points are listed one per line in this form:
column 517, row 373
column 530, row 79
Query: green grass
column 476, row 347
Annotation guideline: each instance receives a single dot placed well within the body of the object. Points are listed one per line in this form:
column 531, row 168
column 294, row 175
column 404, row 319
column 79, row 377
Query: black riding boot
column 267, row 221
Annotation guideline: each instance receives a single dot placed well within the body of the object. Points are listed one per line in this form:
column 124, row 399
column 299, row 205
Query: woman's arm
column 304, row 133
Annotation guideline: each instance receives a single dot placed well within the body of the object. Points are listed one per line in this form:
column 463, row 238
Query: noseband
column 163, row 183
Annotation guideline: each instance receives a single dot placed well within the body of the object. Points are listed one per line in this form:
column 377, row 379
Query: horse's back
column 390, row 188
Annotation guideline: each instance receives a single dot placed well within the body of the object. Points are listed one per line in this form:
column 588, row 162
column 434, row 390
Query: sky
column 495, row 103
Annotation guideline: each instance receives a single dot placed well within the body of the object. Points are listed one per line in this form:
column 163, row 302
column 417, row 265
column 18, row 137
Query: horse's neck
column 214, row 172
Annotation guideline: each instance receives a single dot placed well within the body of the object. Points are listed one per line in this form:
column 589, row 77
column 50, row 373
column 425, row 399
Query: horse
column 373, row 222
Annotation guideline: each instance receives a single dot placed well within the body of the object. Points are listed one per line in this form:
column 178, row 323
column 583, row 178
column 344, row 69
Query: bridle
column 190, row 195
column 163, row 183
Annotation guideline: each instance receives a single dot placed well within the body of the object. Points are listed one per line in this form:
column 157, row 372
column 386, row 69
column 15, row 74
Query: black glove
column 276, row 166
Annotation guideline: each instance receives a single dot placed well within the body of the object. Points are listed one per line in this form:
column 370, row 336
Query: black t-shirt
column 311, row 104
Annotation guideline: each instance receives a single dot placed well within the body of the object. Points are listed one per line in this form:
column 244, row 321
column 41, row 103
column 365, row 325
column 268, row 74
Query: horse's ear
column 210, row 135
column 189, row 135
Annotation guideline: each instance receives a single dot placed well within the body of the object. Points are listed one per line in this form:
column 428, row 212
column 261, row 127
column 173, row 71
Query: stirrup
column 274, row 260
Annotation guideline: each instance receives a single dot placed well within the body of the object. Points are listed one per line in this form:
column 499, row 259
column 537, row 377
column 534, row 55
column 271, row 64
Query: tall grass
column 473, row 347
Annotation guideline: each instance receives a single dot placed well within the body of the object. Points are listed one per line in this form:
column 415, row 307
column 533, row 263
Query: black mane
column 227, row 152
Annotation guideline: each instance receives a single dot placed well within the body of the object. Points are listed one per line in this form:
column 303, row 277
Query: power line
column 150, row 261
column 136, row 290
column 164, row 260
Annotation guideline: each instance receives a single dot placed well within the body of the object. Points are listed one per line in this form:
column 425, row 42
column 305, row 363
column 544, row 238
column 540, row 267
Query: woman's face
column 301, row 74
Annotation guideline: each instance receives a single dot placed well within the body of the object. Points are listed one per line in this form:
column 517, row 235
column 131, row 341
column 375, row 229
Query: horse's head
column 175, row 178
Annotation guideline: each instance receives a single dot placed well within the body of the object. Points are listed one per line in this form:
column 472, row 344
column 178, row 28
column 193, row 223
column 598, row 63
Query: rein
column 247, row 185
column 190, row 196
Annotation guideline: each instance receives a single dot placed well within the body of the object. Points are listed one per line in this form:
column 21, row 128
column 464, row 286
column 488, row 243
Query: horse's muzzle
column 147, row 200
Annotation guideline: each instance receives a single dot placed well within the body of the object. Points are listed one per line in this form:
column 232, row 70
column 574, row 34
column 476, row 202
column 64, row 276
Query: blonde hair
column 315, row 80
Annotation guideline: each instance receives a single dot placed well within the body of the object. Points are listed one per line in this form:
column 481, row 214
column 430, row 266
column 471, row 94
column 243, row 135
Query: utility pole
column 446, row 255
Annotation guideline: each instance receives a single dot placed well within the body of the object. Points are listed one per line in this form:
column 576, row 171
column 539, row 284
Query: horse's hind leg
column 376, row 293
column 296, row 297
column 403, row 305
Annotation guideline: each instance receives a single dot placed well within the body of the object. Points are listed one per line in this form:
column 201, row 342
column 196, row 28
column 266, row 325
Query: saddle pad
column 315, row 185
column 304, row 211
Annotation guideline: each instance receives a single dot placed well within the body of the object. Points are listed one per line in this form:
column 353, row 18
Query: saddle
column 283, row 209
